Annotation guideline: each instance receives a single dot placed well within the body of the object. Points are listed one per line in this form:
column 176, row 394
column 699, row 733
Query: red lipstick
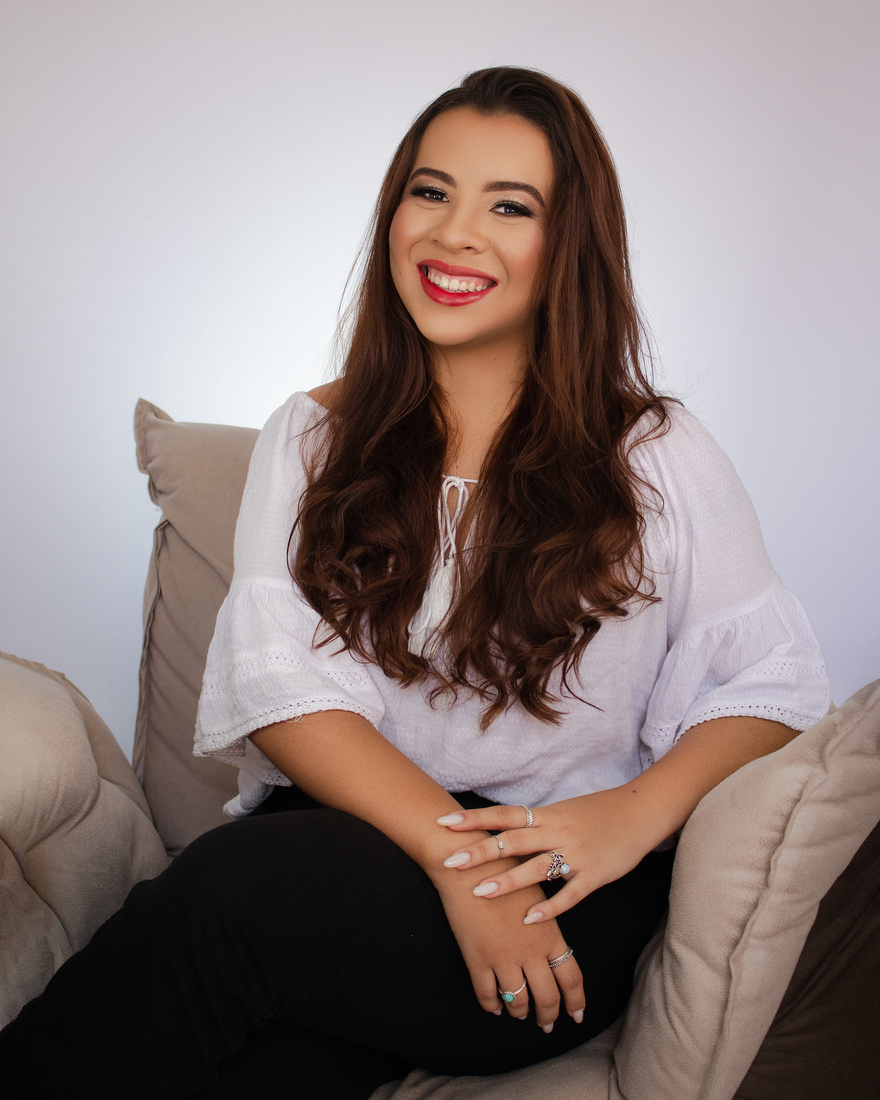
column 453, row 298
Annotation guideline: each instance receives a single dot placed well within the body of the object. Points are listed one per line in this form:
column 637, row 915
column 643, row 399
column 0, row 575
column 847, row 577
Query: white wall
column 183, row 184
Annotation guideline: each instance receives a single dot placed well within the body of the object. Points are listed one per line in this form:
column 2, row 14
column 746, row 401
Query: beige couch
column 746, row 993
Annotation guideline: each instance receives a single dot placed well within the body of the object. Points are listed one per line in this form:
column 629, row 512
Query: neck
column 478, row 391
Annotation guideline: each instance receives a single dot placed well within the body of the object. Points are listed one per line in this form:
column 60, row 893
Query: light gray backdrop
column 184, row 183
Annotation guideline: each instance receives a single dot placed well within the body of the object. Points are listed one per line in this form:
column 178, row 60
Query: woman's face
column 467, row 237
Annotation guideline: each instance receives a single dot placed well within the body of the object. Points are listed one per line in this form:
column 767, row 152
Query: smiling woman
column 487, row 645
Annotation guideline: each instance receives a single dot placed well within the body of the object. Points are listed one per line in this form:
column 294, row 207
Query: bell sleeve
column 262, row 666
column 738, row 643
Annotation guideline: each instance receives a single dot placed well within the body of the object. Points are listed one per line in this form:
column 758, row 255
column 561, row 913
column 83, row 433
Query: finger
column 514, row 842
column 484, row 851
column 486, row 989
column 570, row 982
column 544, row 994
column 567, row 898
column 491, row 818
column 515, row 997
column 525, row 874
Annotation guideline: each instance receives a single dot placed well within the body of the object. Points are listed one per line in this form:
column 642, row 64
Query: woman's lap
column 315, row 920
column 395, row 923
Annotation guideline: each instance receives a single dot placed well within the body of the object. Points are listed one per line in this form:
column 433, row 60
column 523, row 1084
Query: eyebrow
column 495, row 185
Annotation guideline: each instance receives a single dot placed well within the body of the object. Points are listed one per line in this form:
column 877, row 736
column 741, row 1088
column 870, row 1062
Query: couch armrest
column 75, row 828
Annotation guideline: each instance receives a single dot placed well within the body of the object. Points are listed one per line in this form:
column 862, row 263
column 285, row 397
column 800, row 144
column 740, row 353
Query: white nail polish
column 578, row 1015
column 457, row 860
column 546, row 1028
column 485, row 888
column 450, row 819
column 497, row 1011
column 533, row 917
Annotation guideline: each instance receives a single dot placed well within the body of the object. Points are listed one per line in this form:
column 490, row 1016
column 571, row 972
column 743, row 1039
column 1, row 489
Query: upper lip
column 453, row 270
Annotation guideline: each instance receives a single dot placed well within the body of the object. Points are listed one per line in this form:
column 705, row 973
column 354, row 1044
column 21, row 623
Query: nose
column 459, row 229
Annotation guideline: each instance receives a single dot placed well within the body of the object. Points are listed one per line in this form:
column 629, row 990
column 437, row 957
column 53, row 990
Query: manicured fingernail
column 485, row 888
column 578, row 1015
column 546, row 1028
column 533, row 917
column 457, row 860
column 450, row 819
column 497, row 1011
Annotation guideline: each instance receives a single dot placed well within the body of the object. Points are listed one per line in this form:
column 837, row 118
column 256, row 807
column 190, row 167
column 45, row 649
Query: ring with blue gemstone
column 509, row 995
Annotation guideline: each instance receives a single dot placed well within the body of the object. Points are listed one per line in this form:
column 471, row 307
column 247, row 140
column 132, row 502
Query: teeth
column 454, row 285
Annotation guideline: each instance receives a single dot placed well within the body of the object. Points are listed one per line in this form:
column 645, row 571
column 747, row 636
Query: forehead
column 471, row 146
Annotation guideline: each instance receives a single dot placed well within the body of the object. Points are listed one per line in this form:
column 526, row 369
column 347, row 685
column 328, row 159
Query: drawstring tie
column 424, row 629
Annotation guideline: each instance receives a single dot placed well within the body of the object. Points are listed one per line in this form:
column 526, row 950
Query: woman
column 500, row 617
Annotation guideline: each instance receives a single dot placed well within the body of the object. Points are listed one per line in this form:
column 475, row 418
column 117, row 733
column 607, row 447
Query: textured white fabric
column 724, row 639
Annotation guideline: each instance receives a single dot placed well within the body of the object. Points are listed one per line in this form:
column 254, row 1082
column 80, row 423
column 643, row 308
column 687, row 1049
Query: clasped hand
column 600, row 836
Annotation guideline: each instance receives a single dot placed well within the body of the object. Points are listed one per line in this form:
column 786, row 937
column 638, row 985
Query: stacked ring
column 560, row 959
column 530, row 820
column 557, row 867
column 509, row 995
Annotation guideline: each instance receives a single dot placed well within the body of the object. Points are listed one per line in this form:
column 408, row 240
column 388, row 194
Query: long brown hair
column 558, row 514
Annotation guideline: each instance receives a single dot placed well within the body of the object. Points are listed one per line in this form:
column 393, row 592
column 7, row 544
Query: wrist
column 654, row 815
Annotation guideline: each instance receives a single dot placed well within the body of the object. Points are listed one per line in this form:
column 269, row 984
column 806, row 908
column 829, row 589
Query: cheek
column 400, row 238
column 530, row 259
column 400, row 242
column 523, row 257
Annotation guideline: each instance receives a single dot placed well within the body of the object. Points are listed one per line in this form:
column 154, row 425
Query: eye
column 432, row 194
column 510, row 209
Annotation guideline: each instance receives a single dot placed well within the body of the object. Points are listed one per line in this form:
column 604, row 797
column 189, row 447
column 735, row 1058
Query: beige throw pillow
column 197, row 474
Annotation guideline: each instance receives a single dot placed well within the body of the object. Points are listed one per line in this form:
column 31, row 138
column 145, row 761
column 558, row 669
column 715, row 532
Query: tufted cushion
column 754, row 862
column 197, row 474
column 75, row 830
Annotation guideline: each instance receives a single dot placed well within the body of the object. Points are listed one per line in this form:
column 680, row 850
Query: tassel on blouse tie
column 424, row 630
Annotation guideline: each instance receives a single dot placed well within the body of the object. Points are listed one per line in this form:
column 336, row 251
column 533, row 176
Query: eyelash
column 432, row 193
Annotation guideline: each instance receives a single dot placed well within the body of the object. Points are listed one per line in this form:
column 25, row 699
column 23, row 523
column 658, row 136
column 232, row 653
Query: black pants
column 299, row 953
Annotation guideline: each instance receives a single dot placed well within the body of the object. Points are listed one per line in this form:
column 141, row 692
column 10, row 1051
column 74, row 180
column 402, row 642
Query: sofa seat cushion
column 75, row 829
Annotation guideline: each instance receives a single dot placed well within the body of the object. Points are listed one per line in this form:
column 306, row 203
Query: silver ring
column 508, row 995
column 560, row 959
column 530, row 820
column 500, row 844
column 557, row 867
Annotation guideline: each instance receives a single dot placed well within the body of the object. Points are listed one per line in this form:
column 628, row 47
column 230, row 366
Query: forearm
column 342, row 761
column 668, row 791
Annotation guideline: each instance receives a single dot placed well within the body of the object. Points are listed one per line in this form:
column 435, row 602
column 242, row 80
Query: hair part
column 559, row 511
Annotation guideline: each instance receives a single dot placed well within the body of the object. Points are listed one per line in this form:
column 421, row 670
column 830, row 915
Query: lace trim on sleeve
column 262, row 669
column 765, row 664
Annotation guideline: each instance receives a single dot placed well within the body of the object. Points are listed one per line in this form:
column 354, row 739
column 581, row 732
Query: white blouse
column 724, row 639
